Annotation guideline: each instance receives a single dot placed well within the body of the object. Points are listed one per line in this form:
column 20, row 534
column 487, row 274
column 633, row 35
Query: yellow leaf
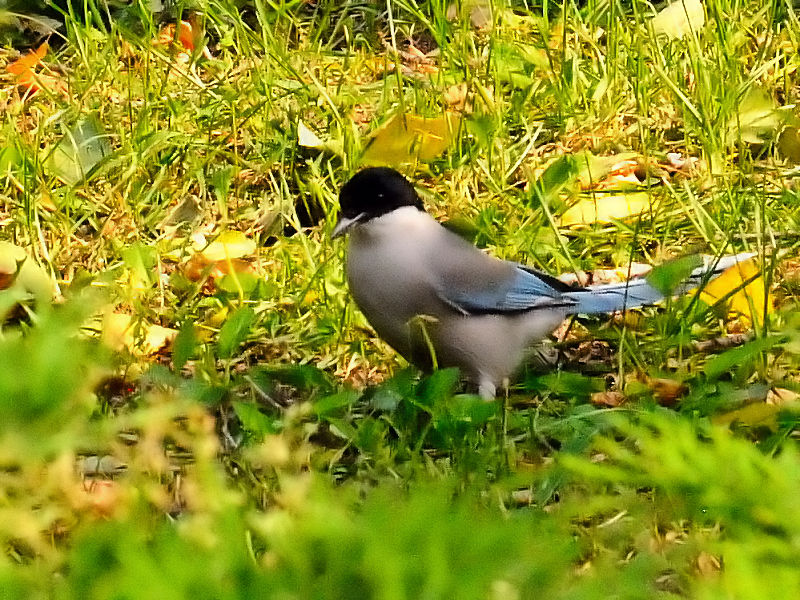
column 19, row 270
column 757, row 414
column 679, row 18
column 229, row 245
column 592, row 169
column 11, row 256
column 218, row 318
column 117, row 332
column 748, row 301
column 602, row 208
column 479, row 12
column 120, row 332
column 789, row 144
column 757, row 118
column 408, row 138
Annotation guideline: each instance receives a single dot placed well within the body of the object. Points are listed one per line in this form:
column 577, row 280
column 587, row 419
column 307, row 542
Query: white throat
column 403, row 221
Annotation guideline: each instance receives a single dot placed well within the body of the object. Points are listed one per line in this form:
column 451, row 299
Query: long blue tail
column 636, row 292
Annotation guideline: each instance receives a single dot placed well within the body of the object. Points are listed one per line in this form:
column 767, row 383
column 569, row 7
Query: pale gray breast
column 386, row 290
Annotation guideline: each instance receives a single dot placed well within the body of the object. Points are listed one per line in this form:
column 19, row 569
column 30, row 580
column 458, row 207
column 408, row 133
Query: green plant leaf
column 304, row 378
column 667, row 277
column 254, row 421
column 725, row 362
column 79, row 151
column 235, row 331
column 331, row 404
column 141, row 259
column 437, row 387
column 184, row 345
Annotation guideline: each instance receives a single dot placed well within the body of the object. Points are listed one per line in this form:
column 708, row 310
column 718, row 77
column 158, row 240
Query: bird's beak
column 344, row 225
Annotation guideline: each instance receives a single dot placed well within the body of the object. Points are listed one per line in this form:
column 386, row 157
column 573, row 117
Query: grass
column 277, row 447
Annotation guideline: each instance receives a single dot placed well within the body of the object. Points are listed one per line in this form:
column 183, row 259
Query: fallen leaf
column 103, row 498
column 408, row 138
column 18, row 270
column 742, row 287
column 617, row 181
column 781, row 396
column 789, row 144
column 106, row 465
column 228, row 246
column 479, row 12
column 708, row 565
column 188, row 35
column 307, row 138
column 677, row 163
column 11, row 259
column 757, row 118
column 605, row 208
column 23, row 66
column 607, row 399
column 679, row 18
column 221, row 263
column 24, row 69
column 666, row 391
column 598, row 276
column 83, row 146
column 120, row 332
column 184, row 34
column 755, row 414
column 593, row 170
column 157, row 337
column 456, row 96
column 198, row 267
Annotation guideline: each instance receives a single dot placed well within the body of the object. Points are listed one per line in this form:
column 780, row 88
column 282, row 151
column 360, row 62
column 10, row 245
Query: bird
column 440, row 301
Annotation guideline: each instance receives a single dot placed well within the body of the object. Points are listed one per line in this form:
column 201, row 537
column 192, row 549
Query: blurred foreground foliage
column 143, row 501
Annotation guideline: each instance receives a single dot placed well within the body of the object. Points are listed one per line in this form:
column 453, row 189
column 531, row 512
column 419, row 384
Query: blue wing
column 519, row 289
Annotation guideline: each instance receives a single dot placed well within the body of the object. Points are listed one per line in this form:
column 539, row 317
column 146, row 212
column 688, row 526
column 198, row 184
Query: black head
column 371, row 193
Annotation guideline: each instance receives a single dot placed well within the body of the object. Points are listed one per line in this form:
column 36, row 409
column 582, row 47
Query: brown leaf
column 608, row 399
column 708, row 565
column 456, row 96
column 667, row 391
column 781, row 396
column 101, row 498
